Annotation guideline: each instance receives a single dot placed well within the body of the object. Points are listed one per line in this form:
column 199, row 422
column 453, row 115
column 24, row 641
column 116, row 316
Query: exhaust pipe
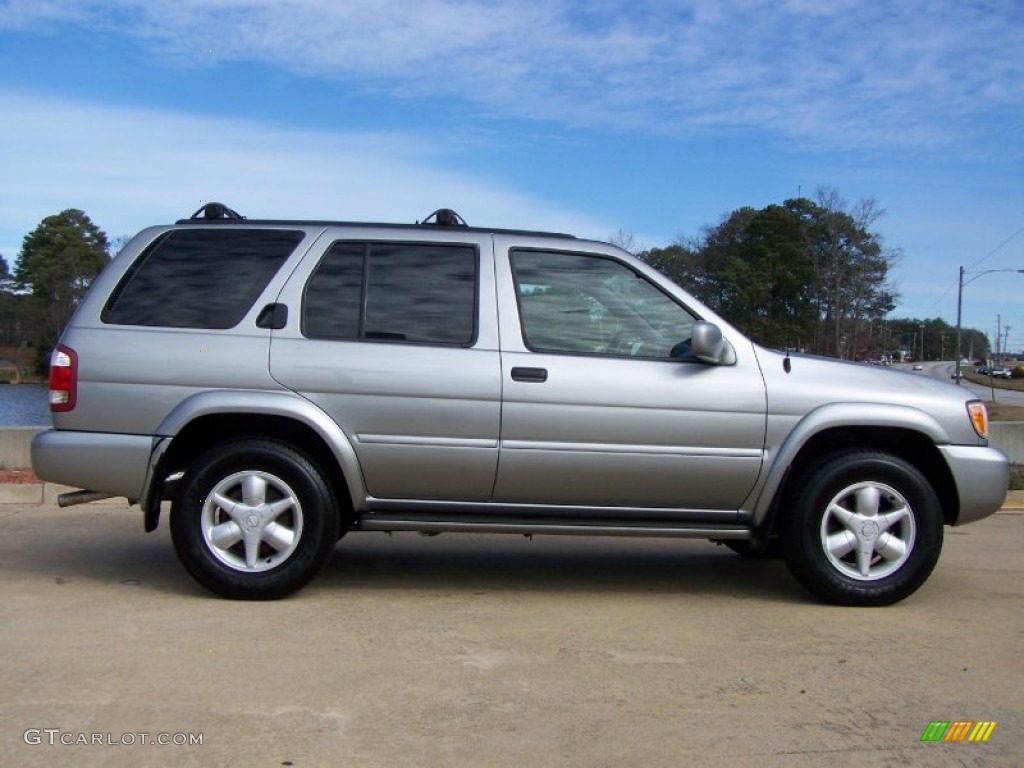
column 81, row 497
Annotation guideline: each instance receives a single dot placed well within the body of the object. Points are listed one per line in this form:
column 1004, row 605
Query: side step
column 657, row 530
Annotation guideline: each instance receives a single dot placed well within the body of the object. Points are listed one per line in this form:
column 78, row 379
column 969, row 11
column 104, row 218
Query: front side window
column 407, row 292
column 199, row 278
column 585, row 304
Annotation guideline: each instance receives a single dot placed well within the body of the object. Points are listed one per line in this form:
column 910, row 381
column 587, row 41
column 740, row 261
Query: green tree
column 58, row 261
column 851, row 289
column 803, row 274
column 14, row 330
column 938, row 337
column 6, row 279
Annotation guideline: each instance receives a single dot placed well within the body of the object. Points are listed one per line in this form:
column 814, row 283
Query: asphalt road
column 496, row 651
column 944, row 370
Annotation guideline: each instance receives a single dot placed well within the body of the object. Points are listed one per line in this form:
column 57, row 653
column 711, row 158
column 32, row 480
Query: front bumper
column 982, row 476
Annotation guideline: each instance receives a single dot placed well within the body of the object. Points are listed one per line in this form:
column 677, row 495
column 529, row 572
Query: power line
column 979, row 261
column 998, row 247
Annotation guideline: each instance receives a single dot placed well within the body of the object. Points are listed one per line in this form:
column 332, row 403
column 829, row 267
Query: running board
column 659, row 530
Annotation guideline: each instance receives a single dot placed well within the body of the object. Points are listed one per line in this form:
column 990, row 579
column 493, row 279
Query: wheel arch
column 213, row 418
column 910, row 442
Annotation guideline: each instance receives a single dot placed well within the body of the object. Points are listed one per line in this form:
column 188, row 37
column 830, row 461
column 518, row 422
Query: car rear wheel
column 254, row 520
column 865, row 529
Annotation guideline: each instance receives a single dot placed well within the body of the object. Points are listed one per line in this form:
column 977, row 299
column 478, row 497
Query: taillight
column 63, row 379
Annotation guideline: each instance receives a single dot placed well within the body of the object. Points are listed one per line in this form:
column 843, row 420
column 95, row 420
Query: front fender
column 833, row 416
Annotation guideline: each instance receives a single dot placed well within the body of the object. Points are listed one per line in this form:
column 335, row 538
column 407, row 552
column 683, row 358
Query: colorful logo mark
column 958, row 730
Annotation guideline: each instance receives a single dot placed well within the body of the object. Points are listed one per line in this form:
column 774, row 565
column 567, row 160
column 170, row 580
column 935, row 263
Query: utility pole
column 999, row 338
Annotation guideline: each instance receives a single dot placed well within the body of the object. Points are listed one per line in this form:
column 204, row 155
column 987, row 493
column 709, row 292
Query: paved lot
column 497, row 651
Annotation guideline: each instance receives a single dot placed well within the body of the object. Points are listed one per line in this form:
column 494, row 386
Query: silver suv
column 283, row 383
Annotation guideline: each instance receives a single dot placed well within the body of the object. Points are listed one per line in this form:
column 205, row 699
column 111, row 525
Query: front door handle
column 538, row 375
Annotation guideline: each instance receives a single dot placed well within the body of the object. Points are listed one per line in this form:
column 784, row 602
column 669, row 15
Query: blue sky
column 653, row 117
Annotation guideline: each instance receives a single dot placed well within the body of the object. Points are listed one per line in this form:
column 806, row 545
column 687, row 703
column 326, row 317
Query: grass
column 985, row 381
column 1005, row 412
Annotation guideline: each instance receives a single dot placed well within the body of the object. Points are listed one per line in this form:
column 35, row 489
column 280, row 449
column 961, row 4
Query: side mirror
column 708, row 344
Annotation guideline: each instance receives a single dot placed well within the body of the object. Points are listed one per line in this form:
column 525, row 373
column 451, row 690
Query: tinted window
column 334, row 294
column 199, row 278
column 410, row 292
column 582, row 304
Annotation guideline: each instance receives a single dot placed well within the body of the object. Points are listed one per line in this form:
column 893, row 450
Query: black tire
column 879, row 505
column 268, row 548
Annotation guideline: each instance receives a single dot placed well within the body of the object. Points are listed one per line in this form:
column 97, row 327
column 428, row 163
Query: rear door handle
column 530, row 374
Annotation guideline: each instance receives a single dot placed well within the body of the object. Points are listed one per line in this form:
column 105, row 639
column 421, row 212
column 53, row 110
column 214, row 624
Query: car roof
column 218, row 214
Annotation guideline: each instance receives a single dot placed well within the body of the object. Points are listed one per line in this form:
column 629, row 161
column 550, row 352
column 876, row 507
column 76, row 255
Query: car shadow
column 480, row 562
column 116, row 552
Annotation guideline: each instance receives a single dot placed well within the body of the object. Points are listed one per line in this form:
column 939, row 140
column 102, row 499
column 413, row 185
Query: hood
column 813, row 382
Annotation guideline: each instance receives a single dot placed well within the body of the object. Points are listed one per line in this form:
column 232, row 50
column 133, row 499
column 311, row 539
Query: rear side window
column 407, row 292
column 199, row 278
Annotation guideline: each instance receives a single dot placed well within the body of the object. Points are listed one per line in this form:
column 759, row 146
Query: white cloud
column 130, row 168
column 855, row 73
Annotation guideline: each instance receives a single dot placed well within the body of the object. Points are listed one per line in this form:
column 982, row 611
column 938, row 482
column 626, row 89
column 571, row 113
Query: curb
column 32, row 493
column 1014, row 500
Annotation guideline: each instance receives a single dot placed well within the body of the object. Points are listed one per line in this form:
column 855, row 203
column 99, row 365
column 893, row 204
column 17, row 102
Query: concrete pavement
column 496, row 651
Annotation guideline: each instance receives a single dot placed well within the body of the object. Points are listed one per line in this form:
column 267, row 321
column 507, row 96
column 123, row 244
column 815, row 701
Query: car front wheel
column 865, row 529
column 255, row 520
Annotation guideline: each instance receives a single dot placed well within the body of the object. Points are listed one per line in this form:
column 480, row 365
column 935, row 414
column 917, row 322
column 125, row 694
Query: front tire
column 865, row 529
column 254, row 520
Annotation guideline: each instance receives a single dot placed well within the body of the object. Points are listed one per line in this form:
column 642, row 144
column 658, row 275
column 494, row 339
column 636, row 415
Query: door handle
column 537, row 375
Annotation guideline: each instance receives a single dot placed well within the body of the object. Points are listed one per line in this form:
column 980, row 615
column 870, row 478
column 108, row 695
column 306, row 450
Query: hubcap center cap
column 869, row 530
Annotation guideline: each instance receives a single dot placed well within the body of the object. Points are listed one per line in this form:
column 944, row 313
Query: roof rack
column 219, row 214
column 216, row 211
column 444, row 217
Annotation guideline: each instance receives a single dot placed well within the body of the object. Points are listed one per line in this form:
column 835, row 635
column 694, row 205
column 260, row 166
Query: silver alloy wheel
column 868, row 531
column 252, row 521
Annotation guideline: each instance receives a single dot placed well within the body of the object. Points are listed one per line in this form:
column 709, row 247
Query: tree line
column 58, row 261
column 805, row 274
column 809, row 275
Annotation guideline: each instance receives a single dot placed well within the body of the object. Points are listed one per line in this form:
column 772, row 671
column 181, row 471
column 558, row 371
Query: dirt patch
column 18, row 476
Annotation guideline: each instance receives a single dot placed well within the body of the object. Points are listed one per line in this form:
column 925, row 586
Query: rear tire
column 254, row 520
column 865, row 530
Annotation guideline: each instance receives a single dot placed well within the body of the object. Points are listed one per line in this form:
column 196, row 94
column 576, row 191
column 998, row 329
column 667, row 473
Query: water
column 24, row 405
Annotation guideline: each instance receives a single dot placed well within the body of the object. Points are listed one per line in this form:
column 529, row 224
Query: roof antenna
column 444, row 217
column 787, row 365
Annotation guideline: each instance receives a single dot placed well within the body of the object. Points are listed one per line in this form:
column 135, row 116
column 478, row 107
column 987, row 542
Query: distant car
column 956, row 375
column 1000, row 373
column 918, row 367
column 982, row 370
